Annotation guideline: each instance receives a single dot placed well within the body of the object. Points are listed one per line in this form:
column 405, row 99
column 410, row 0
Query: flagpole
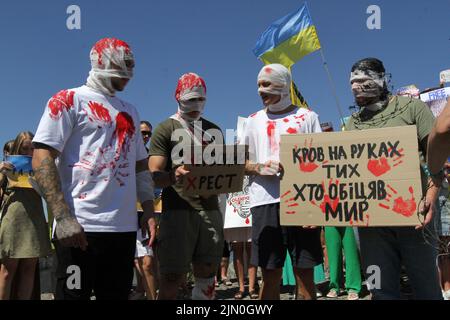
column 333, row 87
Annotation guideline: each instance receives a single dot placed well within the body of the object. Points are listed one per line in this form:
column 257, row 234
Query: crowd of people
column 107, row 195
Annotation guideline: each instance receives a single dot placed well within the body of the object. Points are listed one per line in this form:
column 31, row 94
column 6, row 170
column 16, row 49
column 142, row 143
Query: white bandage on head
column 280, row 84
column 144, row 186
column 204, row 289
column 108, row 60
column 190, row 86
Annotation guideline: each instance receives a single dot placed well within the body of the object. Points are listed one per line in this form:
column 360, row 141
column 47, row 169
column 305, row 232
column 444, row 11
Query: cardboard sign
column 207, row 180
column 436, row 100
column 351, row 178
column 438, row 94
column 237, row 212
column 19, row 177
column 408, row 91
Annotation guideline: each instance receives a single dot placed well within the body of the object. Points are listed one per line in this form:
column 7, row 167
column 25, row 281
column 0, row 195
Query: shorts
column 189, row 236
column 270, row 241
column 141, row 250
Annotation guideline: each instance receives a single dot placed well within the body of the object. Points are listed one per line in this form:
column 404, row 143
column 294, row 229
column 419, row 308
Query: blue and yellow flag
column 288, row 39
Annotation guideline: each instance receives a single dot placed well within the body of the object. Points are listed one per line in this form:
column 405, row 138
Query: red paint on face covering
column 268, row 70
column 106, row 43
column 125, row 130
column 61, row 101
column 99, row 112
column 187, row 82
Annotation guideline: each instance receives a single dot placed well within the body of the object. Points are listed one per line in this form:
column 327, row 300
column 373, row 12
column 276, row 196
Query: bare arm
column 439, row 141
column 162, row 178
column 147, row 223
column 68, row 230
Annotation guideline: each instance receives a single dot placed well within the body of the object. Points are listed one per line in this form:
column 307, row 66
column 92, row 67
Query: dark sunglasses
column 147, row 133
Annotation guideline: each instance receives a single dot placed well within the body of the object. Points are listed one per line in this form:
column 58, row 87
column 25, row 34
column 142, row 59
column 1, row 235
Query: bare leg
column 306, row 288
column 169, row 284
column 252, row 270
column 25, row 277
column 149, row 276
column 7, row 274
column 270, row 289
column 238, row 249
column 139, row 275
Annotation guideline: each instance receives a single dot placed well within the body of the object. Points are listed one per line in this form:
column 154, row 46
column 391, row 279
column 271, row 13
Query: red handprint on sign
column 380, row 166
column 333, row 203
column 401, row 206
column 306, row 165
column 291, row 202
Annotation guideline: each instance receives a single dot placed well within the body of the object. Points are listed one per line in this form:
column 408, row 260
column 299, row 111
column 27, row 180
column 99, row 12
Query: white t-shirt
column 262, row 134
column 99, row 140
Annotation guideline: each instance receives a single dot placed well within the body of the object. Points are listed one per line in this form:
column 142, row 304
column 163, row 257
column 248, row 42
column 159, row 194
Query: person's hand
column 180, row 172
column 148, row 226
column 269, row 168
column 70, row 233
column 428, row 206
column 6, row 166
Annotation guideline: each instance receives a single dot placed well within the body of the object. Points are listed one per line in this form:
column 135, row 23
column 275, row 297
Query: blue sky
column 40, row 56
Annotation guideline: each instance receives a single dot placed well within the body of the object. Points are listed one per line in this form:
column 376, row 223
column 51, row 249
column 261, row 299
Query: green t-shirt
column 162, row 145
column 401, row 111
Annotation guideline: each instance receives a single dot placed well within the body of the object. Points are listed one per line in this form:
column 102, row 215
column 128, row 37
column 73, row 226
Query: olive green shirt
column 162, row 145
column 401, row 111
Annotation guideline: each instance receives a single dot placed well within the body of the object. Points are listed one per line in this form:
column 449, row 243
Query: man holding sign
column 191, row 226
column 270, row 241
column 388, row 248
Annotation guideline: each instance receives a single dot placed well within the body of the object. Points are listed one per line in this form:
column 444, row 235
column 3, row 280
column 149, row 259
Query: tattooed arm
column 68, row 231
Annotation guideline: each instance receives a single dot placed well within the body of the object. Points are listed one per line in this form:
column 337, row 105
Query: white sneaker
column 332, row 293
column 446, row 294
column 353, row 296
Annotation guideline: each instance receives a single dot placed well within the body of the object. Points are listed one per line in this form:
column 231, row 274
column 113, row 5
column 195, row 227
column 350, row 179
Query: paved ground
column 222, row 292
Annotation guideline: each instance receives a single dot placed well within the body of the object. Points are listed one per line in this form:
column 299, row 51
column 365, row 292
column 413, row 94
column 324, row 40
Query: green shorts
column 189, row 236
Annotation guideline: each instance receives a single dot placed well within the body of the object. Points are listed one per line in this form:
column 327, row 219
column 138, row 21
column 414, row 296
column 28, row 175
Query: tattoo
column 47, row 177
column 253, row 168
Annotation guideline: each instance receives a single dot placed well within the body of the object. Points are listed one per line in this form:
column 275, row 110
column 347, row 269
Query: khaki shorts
column 189, row 236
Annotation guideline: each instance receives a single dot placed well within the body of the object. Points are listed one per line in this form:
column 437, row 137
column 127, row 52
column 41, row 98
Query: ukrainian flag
column 288, row 39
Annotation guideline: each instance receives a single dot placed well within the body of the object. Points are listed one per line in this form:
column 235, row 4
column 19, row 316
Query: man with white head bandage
column 101, row 171
column 262, row 135
column 191, row 227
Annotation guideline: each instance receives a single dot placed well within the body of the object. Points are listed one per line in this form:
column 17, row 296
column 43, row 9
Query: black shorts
column 106, row 267
column 270, row 241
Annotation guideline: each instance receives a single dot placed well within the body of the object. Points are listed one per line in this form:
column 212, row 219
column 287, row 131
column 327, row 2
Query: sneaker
column 353, row 296
column 319, row 294
column 135, row 295
column 446, row 295
column 332, row 293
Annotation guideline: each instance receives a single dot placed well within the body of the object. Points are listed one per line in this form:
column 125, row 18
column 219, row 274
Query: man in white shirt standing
column 90, row 165
column 270, row 241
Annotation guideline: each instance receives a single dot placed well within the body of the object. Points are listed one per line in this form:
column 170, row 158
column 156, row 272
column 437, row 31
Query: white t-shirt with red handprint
column 99, row 141
column 262, row 134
